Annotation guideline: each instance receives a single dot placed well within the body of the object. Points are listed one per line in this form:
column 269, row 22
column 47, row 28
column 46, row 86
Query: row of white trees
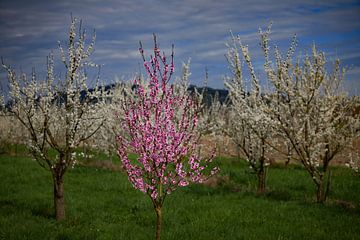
column 304, row 110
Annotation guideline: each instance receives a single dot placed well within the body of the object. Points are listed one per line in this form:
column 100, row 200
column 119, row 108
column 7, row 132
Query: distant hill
column 209, row 93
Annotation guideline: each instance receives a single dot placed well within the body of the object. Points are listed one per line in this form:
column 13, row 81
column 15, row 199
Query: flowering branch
column 159, row 127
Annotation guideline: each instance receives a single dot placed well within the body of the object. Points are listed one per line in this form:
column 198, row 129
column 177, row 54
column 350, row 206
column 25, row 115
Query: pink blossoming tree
column 160, row 128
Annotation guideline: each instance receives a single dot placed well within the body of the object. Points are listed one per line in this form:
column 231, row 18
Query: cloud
column 198, row 28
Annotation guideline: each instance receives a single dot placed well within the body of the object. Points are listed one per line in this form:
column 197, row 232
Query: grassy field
column 101, row 204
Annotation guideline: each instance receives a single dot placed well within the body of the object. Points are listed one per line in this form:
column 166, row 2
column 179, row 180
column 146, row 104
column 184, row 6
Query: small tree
column 11, row 133
column 353, row 161
column 250, row 128
column 211, row 112
column 114, row 110
column 213, row 120
column 309, row 110
column 58, row 113
column 159, row 127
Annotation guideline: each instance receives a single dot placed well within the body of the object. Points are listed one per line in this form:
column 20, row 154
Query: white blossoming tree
column 113, row 109
column 309, row 109
column 354, row 163
column 250, row 128
column 11, row 133
column 353, row 153
column 211, row 112
column 213, row 120
column 58, row 113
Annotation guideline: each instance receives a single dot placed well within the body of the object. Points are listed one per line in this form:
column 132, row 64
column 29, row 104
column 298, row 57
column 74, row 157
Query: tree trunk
column 158, row 222
column 320, row 193
column 59, row 201
column 261, row 177
column 288, row 159
column 323, row 187
column 16, row 149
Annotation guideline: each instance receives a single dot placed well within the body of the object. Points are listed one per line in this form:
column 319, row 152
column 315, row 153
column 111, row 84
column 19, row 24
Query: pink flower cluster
column 160, row 130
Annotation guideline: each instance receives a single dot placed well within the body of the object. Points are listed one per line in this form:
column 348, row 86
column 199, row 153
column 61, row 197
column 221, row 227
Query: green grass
column 101, row 204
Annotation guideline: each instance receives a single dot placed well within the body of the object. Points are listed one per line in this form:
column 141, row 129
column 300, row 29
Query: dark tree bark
column 320, row 192
column 323, row 187
column 59, row 201
column 261, row 177
column 158, row 222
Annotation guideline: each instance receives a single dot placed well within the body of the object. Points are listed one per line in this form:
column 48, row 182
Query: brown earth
column 225, row 147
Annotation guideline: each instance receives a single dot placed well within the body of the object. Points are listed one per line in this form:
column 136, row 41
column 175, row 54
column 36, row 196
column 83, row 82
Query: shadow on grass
column 10, row 207
column 43, row 211
column 278, row 195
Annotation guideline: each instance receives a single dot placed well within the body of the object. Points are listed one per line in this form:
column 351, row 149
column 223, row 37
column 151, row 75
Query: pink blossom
column 154, row 194
column 158, row 127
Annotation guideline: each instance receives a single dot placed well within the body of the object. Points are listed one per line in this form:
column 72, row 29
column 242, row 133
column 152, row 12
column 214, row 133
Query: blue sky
column 198, row 28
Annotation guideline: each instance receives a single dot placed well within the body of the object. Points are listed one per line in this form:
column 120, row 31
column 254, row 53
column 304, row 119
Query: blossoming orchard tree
column 159, row 127
column 250, row 128
column 114, row 111
column 11, row 133
column 353, row 161
column 58, row 113
column 309, row 109
column 211, row 118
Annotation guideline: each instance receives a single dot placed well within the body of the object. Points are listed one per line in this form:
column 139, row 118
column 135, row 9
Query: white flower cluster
column 353, row 164
column 59, row 112
column 305, row 106
column 250, row 127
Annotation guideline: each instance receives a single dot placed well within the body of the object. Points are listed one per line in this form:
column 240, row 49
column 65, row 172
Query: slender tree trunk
column 288, row 159
column 16, row 149
column 59, row 201
column 320, row 193
column 158, row 222
column 323, row 187
column 261, row 176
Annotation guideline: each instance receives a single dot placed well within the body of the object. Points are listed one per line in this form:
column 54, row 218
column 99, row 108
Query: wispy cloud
column 198, row 28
